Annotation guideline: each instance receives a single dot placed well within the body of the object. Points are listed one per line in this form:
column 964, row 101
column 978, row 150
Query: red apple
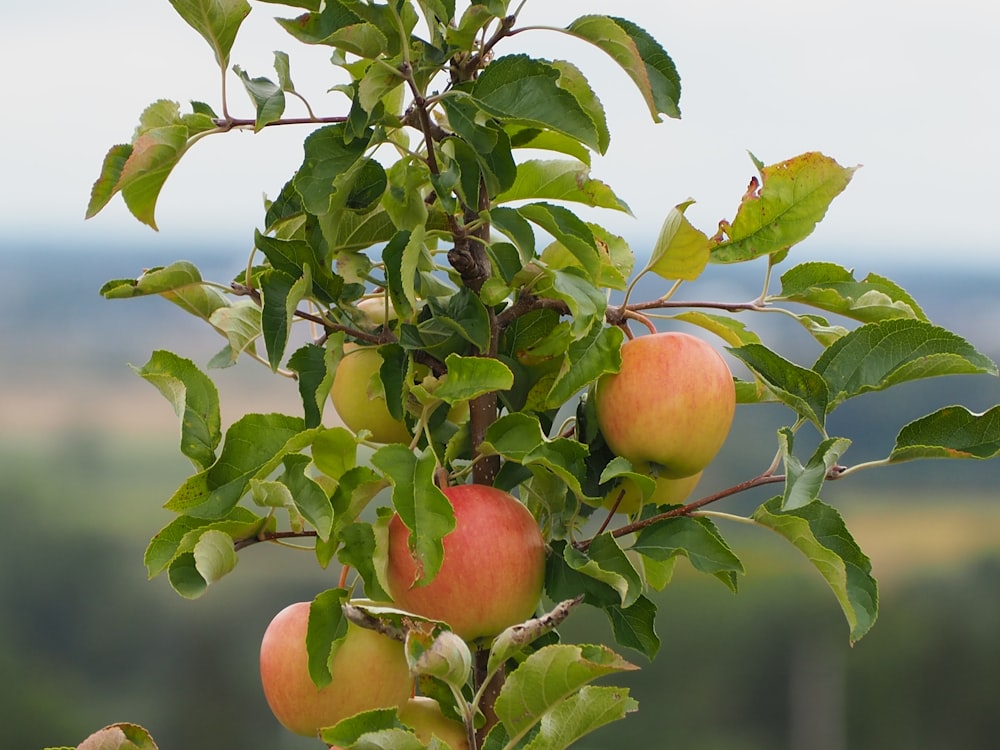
column 493, row 568
column 360, row 405
column 369, row 671
column 672, row 403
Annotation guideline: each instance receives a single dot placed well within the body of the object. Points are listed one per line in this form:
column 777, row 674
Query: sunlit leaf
column 195, row 400
column 639, row 55
column 325, row 631
column 819, row 532
column 469, row 377
column 154, row 155
column 106, row 184
column 784, row 208
column 833, row 288
column 681, row 251
column 560, row 180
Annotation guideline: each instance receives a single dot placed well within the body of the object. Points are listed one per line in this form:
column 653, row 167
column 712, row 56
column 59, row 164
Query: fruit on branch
column 377, row 310
column 493, row 568
column 358, row 400
column 668, row 491
column 369, row 671
column 424, row 716
column 671, row 404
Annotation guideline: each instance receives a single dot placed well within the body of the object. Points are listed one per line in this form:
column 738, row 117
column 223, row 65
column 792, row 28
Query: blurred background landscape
column 88, row 454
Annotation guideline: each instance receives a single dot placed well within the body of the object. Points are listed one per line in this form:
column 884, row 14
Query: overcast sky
column 906, row 88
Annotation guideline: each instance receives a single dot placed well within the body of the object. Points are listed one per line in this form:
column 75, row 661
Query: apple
column 493, row 568
column 377, row 310
column 668, row 491
column 369, row 671
column 424, row 716
column 359, row 405
column 671, row 403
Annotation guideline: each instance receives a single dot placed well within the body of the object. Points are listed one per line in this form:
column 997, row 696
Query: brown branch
column 228, row 123
column 271, row 536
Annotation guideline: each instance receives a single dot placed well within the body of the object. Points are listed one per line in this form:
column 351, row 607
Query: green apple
column 424, row 716
column 668, row 491
column 359, row 402
column 671, row 403
column 377, row 310
column 493, row 568
column 369, row 671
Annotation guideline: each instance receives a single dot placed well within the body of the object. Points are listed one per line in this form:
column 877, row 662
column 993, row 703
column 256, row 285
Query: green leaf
column 179, row 282
column 633, row 626
column 639, row 55
column 606, row 561
column 360, row 551
column 681, row 251
column 571, row 79
column 804, row 482
column 309, row 498
column 328, row 156
column 561, row 180
column 581, row 714
column 510, row 222
column 325, row 632
column 317, row 27
column 401, row 256
column 799, row 388
column 154, row 155
column 585, row 301
column 951, row 432
column 833, row 288
column 569, row 230
column 586, row 360
column 195, row 400
column 267, row 96
column 314, row 380
column 879, row 355
column 217, row 21
column 695, row 538
column 293, row 256
column 733, row 332
column 254, row 446
column 548, row 678
column 214, row 555
column 240, row 323
column 819, row 532
column 422, row 507
column 182, row 534
column 792, row 197
column 524, row 90
column 469, row 377
column 281, row 296
column 106, row 184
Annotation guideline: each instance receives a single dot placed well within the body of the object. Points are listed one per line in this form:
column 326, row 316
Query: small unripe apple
column 668, row 491
column 369, row 671
column 493, row 568
column 425, row 717
column 359, row 405
column 671, row 403
column 377, row 310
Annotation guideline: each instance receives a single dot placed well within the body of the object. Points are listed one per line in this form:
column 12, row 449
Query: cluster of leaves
column 444, row 192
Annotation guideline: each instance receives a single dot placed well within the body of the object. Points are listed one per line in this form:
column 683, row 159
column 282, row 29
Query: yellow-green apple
column 360, row 405
column 493, row 569
column 424, row 716
column 668, row 491
column 369, row 671
column 671, row 403
column 377, row 310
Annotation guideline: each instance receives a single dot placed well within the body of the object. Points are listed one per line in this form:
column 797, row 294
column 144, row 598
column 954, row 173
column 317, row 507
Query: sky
column 904, row 88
